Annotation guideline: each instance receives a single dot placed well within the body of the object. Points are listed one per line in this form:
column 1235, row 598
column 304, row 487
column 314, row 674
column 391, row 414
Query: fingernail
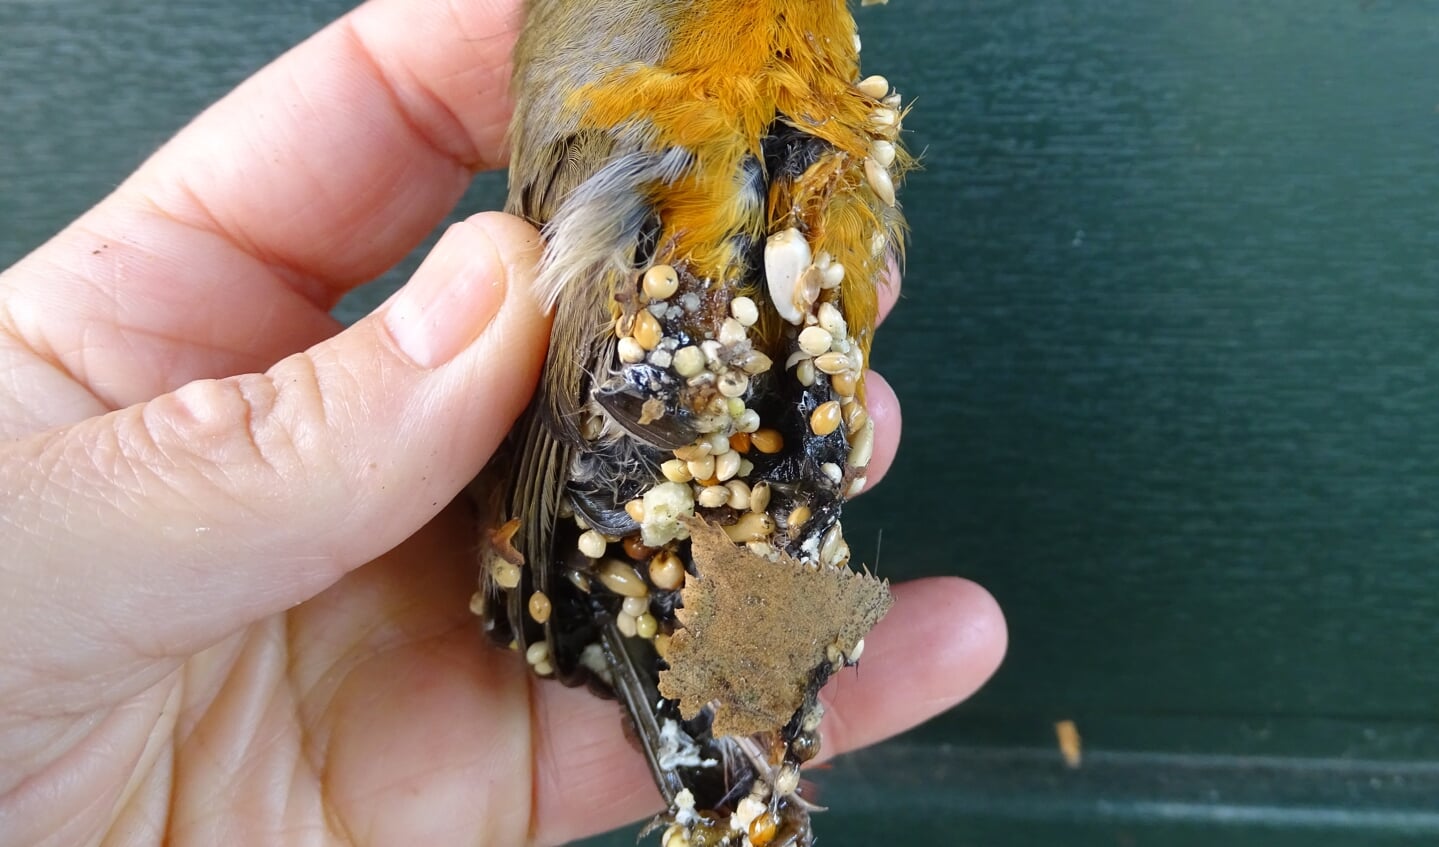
column 451, row 298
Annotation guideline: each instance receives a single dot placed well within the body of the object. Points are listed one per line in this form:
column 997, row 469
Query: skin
column 232, row 595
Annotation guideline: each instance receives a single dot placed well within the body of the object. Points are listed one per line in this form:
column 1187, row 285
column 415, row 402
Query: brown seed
column 739, row 442
column 636, row 510
column 844, row 384
column 667, row 572
column 767, row 440
column 661, row 282
column 854, row 416
column 636, row 549
column 797, row 518
column 691, row 452
column 762, row 829
column 540, row 607
column 647, row 330
column 759, row 497
column 621, row 579
column 826, row 418
column 832, row 363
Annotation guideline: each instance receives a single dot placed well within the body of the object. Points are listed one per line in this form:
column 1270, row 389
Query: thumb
column 158, row 529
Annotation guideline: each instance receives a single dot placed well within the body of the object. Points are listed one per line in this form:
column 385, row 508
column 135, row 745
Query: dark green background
column 1168, row 356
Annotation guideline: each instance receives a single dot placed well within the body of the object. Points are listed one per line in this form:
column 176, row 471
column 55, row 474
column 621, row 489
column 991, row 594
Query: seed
column 544, row 668
column 861, row 449
column 744, row 310
column 882, row 151
column 592, row 544
column 748, row 421
column 636, row 509
column 688, row 361
column 786, row 256
column 733, row 384
column 691, row 452
column 839, row 557
column 833, row 539
column 675, row 836
column 711, row 349
column 855, row 487
column 478, row 603
column 787, row 782
column 667, row 572
column 635, row 606
column 702, row 468
column 746, row 467
column 759, row 497
column 674, row 470
column 832, row 363
column 832, row 321
column 843, row 383
column 755, row 362
column 880, row 180
column 626, row 624
column 727, row 465
column 833, row 276
column 714, row 496
column 893, row 101
column 718, row 442
column 630, row 351
column 540, row 607
column 751, row 526
column 797, row 518
column 885, row 118
column 738, row 494
column 579, row 580
column 834, row 473
column 734, row 406
column 804, row 372
column 661, row 358
column 661, row 282
column 858, row 651
column 767, row 440
column 647, row 330
column 805, row 746
column 874, row 87
column 537, row 652
column 762, row 829
column 739, row 442
column 815, row 340
column 731, row 331
column 662, row 647
column 826, row 418
column 854, row 416
column 637, row 549
column 505, row 575
column 621, row 579
column 646, row 626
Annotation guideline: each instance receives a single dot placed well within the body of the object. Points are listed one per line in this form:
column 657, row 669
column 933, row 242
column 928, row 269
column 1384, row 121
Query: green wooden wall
column 1168, row 353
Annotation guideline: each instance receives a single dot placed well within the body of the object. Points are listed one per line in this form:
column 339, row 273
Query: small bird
column 715, row 182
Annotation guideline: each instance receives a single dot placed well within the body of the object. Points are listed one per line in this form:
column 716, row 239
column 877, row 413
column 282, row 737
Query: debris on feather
column 756, row 631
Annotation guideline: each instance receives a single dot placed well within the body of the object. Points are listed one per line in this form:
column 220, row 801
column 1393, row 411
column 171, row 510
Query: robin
column 715, row 180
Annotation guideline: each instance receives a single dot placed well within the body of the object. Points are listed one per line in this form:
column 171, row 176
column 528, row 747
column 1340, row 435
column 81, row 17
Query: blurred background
column 1169, row 358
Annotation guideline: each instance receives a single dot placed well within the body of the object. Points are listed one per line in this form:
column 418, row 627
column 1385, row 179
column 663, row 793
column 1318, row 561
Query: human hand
column 233, row 602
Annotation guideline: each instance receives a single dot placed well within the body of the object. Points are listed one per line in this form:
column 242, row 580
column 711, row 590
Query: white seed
column 880, row 181
column 733, row 384
column 748, row 421
column 832, row 363
column 787, row 782
column 832, row 321
column 702, row 468
column 664, row 505
column 804, row 372
column 635, row 605
column 861, row 448
column 505, row 575
column 630, row 351
column 858, row 651
column 626, row 624
column 858, row 45
column 727, row 465
column 537, row 652
column 544, row 668
column 882, row 151
column 661, row 282
column 833, row 472
column 688, row 361
column 878, row 243
column 833, row 276
column 759, row 497
column 833, row 539
column 738, row 494
column 893, row 101
column 592, row 544
column 885, row 118
column 744, row 310
column 732, row 331
column 697, row 450
column 873, row 87
column 714, row 496
column 711, row 349
column 746, row 467
column 786, row 256
column 815, row 340
column 662, row 358
column 675, row 470
column 719, row 443
column 855, row 487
